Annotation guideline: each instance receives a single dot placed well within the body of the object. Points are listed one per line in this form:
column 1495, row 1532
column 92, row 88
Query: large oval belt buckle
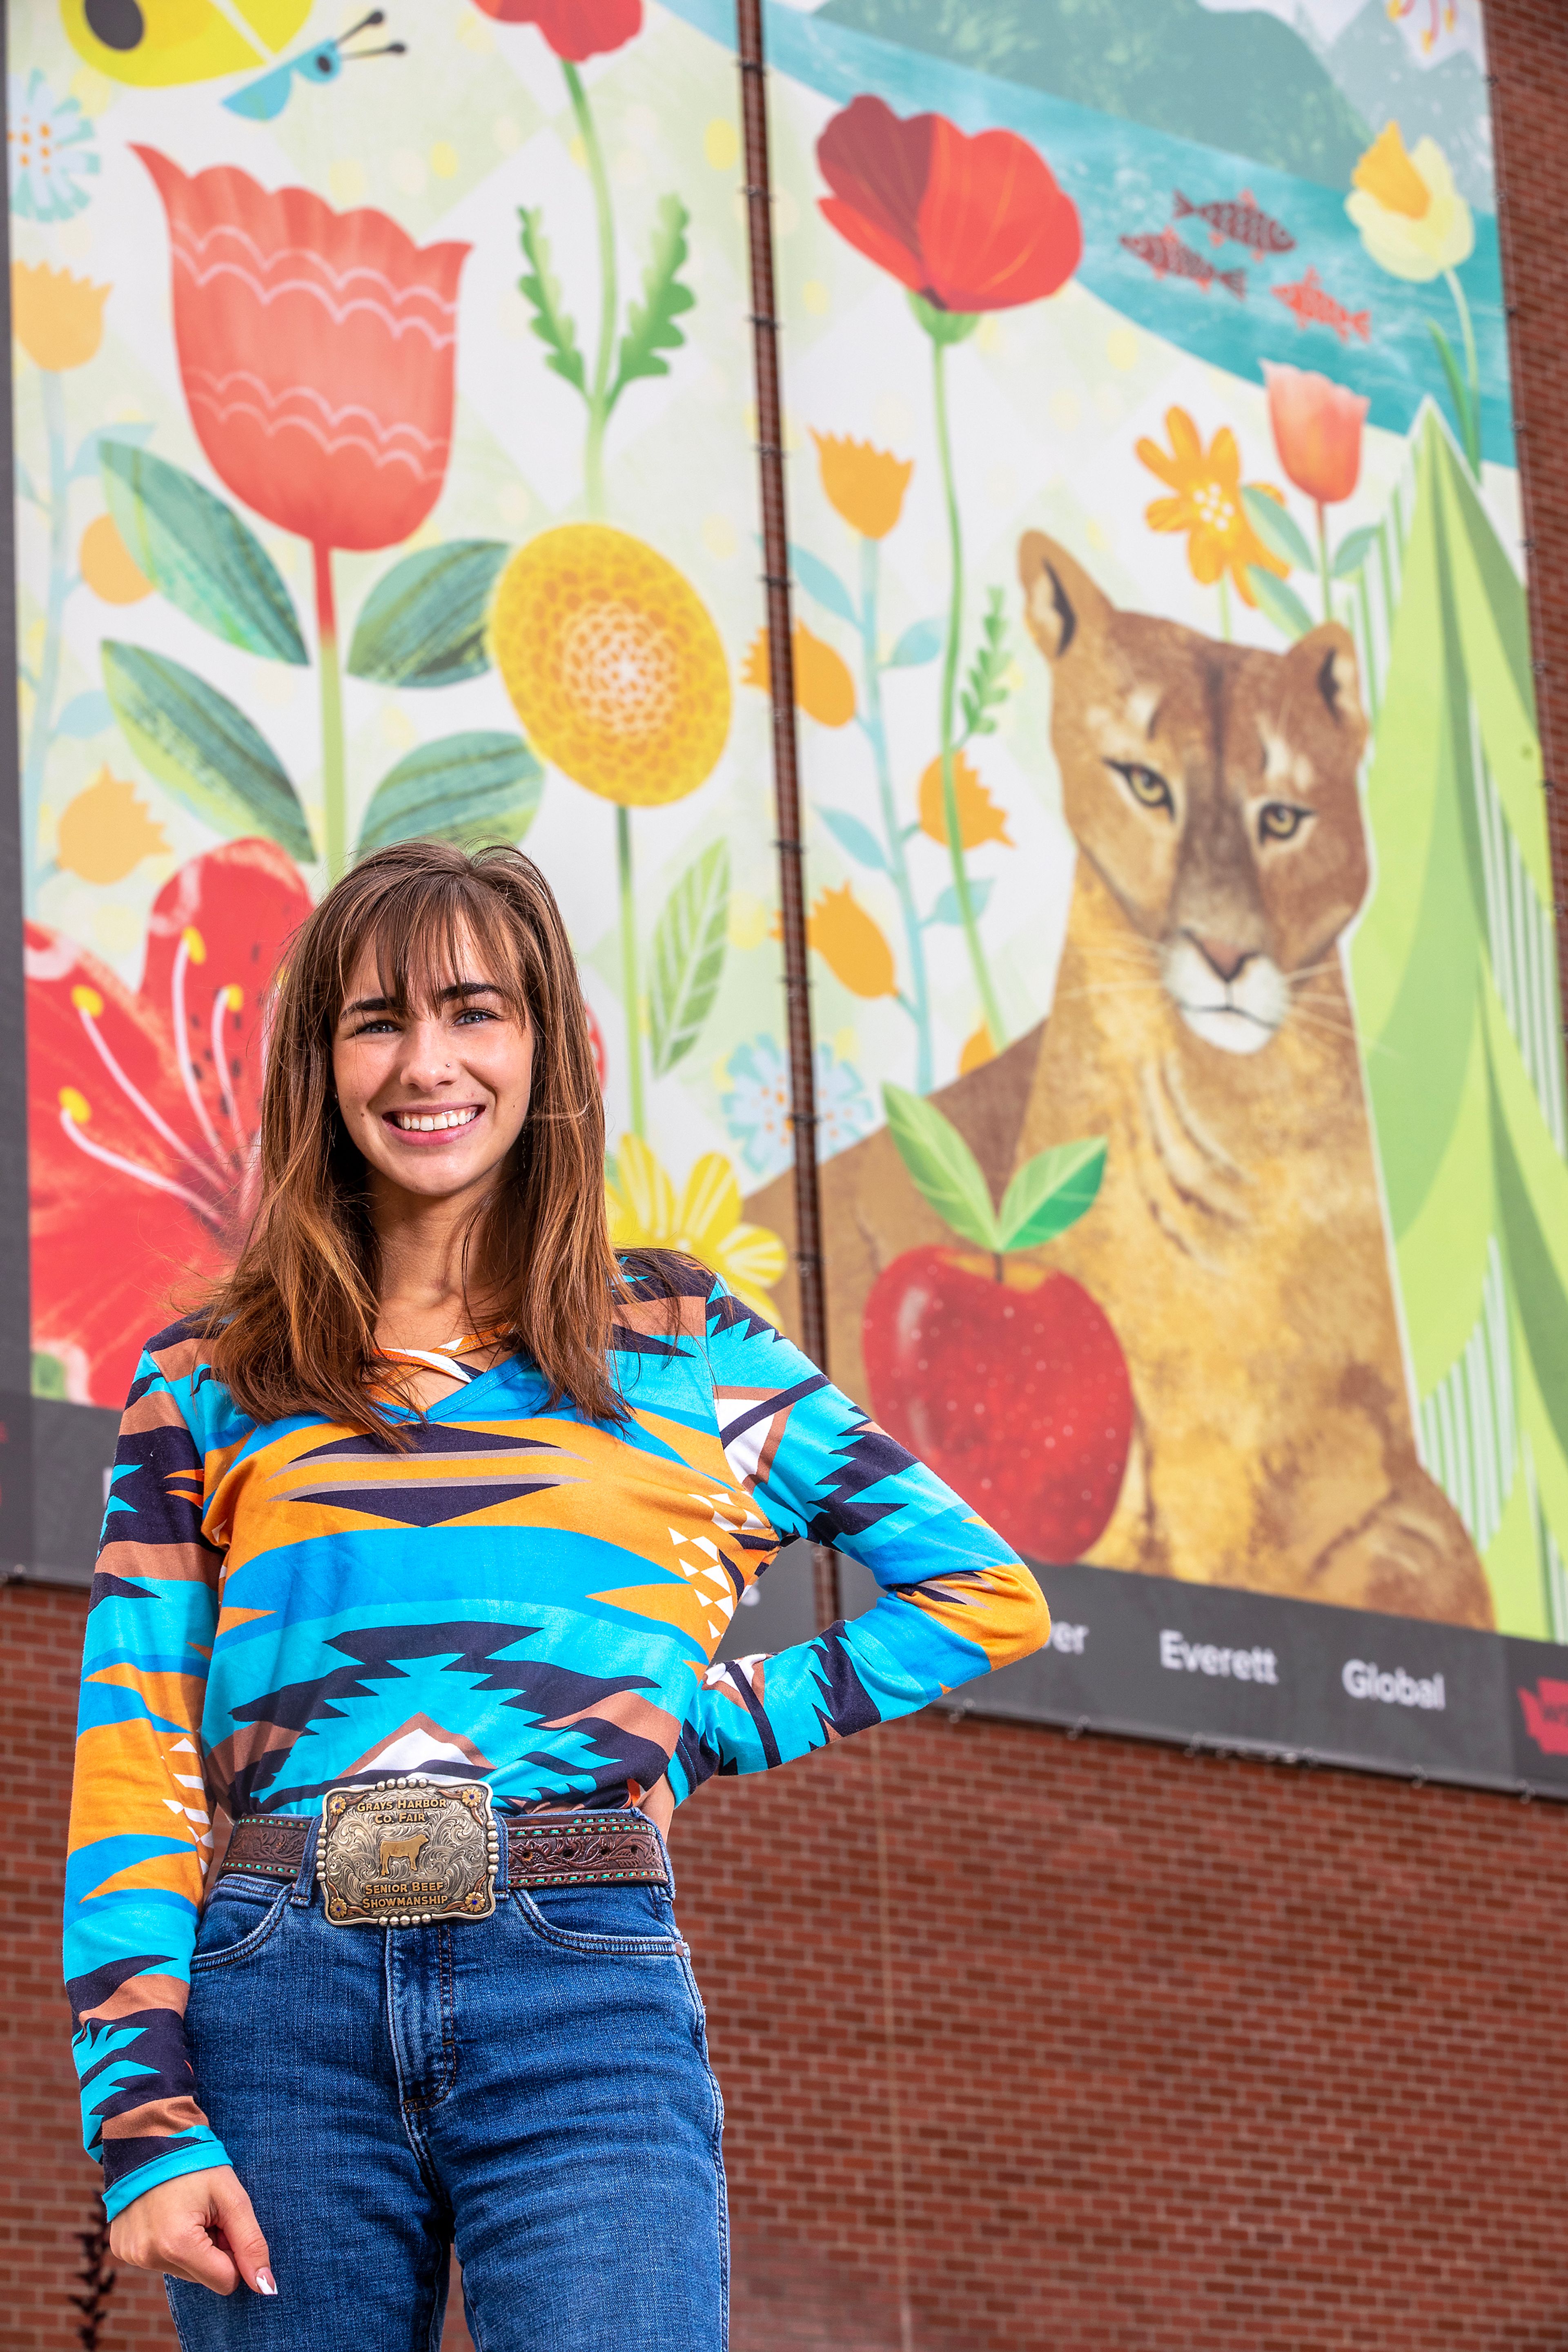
column 404, row 1852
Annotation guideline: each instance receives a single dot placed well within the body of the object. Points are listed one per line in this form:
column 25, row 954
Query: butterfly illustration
column 263, row 100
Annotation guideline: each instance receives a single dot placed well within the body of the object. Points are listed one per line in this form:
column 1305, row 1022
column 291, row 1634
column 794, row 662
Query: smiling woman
column 423, row 1537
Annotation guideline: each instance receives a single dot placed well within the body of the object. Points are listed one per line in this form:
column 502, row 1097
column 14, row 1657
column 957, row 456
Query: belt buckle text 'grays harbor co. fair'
column 404, row 1852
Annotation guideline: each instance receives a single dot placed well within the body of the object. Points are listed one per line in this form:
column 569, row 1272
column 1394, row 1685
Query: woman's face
column 435, row 1098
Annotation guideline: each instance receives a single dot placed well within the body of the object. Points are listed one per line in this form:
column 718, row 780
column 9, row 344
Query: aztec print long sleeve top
column 524, row 1596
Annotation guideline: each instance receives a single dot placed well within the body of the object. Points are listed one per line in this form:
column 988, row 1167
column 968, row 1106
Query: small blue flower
column 757, row 1105
column 53, row 151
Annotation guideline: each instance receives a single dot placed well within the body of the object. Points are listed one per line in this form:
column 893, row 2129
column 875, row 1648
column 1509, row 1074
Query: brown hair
column 293, row 1327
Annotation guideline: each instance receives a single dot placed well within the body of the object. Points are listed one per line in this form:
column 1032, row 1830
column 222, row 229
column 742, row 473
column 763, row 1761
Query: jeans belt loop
column 304, row 1887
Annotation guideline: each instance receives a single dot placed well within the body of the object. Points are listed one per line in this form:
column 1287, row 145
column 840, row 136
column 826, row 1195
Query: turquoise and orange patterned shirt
column 524, row 1597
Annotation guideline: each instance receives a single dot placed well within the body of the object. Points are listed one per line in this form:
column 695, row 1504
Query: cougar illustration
column 1200, row 1022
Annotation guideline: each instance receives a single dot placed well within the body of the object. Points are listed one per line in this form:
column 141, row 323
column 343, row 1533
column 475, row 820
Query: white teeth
column 427, row 1123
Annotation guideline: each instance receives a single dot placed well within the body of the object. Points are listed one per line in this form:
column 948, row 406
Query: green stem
column 334, row 809
column 988, row 1005
column 1327, row 576
column 1225, row 606
column 876, row 734
column 1364, row 596
column 631, row 993
column 599, row 398
column 52, row 393
column 1472, row 419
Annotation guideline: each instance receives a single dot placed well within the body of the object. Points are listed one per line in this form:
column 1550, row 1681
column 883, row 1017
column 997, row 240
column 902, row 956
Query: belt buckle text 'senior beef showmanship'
column 404, row 1852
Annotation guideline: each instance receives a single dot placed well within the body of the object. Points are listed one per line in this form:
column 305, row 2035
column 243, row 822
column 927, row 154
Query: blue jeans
column 533, row 2088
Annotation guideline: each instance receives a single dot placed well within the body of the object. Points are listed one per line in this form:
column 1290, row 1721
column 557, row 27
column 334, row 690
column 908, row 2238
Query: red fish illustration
column 1167, row 257
column 1242, row 221
column 1313, row 305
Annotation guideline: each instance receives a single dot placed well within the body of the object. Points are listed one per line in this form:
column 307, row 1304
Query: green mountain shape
column 1244, row 82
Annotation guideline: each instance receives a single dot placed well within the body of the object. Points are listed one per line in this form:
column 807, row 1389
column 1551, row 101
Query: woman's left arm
column 956, row 1601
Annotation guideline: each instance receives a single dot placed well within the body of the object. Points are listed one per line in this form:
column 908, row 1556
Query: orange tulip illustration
column 979, row 818
column 851, row 944
column 823, row 688
column 866, row 486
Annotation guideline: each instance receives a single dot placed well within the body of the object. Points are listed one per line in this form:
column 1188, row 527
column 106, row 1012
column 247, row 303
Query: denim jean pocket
column 238, row 1917
column 602, row 1918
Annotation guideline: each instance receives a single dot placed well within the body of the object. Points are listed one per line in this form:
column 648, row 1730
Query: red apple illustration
column 1005, row 1377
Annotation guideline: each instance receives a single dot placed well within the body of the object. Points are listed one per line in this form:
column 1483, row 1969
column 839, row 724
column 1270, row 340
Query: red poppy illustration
column 143, row 1108
column 970, row 223
column 317, row 351
column 576, row 29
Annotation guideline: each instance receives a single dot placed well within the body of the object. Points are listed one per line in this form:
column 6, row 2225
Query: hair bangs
column 431, row 935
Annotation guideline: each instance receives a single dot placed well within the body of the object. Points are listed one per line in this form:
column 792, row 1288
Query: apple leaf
column 1051, row 1193
column 942, row 1168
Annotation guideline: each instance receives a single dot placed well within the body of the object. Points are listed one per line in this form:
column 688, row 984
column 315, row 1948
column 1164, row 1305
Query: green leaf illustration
column 91, row 448
column 985, row 690
column 198, row 553
column 1459, row 392
column 942, row 1168
column 922, row 642
column 819, row 580
column 541, row 291
column 463, row 788
column 423, row 623
column 650, row 323
column 947, row 909
column 1352, row 550
column 857, row 838
column 1051, row 1193
column 687, row 956
column 1278, row 527
column 204, row 751
column 1278, row 602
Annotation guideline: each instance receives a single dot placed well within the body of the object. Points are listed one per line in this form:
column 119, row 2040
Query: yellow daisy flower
column 613, row 665
column 704, row 1223
column 1207, row 505
column 1412, row 218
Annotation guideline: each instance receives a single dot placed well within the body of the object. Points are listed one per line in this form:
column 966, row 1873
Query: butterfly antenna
column 376, row 16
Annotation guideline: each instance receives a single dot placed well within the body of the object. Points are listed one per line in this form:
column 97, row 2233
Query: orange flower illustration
column 1207, row 505
column 56, row 318
column 979, row 818
column 866, row 486
column 613, row 665
column 823, row 688
column 108, row 566
column 106, row 830
column 851, row 944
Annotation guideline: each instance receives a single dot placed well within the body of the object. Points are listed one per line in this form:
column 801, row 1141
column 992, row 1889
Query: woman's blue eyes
column 470, row 1012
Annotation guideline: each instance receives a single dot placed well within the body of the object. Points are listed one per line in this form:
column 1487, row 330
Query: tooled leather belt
column 404, row 1852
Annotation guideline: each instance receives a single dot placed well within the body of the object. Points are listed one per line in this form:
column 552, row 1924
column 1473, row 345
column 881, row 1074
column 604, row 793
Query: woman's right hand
column 201, row 2227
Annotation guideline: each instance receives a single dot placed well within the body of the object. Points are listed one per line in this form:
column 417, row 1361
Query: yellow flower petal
column 978, row 1050
column 642, row 1202
column 751, row 1260
column 1390, row 178
column 979, row 818
column 866, row 486
column 851, row 944
column 105, row 831
column 56, row 318
column 108, row 566
column 613, row 665
column 710, row 1206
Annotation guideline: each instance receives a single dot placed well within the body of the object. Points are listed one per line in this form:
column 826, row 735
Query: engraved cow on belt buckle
column 404, row 1852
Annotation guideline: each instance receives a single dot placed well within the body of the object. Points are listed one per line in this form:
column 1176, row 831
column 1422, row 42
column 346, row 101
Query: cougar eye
column 1148, row 788
column 1277, row 820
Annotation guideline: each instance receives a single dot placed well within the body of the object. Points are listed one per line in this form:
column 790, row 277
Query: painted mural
column 1190, row 1068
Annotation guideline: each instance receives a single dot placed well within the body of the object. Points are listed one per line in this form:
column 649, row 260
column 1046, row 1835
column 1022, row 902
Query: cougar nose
column 1222, row 955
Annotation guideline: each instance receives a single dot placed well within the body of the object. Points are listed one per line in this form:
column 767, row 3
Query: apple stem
column 996, row 1262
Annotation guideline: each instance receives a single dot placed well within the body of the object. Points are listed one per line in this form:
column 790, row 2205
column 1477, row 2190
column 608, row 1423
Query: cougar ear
column 1324, row 661
column 1059, row 597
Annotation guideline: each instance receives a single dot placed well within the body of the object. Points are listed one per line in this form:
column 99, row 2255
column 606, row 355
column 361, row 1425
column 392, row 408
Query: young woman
column 421, row 1539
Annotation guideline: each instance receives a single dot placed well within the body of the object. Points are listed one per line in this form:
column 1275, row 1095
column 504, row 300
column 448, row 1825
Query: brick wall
column 1187, row 2054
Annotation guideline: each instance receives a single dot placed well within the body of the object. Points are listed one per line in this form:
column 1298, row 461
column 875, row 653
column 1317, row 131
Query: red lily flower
column 972, row 224
column 576, row 29
column 144, row 1108
column 317, row 351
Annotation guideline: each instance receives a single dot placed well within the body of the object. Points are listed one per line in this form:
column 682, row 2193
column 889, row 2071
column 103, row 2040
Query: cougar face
column 1214, row 789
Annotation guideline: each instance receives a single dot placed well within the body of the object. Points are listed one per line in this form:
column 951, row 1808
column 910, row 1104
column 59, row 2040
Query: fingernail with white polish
column 265, row 2283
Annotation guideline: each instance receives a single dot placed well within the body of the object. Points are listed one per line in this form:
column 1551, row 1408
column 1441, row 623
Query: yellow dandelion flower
column 823, row 688
column 1207, row 505
column 851, row 944
column 56, row 318
column 105, row 831
column 613, row 665
column 866, row 486
column 979, row 818
column 704, row 1221
column 108, row 566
